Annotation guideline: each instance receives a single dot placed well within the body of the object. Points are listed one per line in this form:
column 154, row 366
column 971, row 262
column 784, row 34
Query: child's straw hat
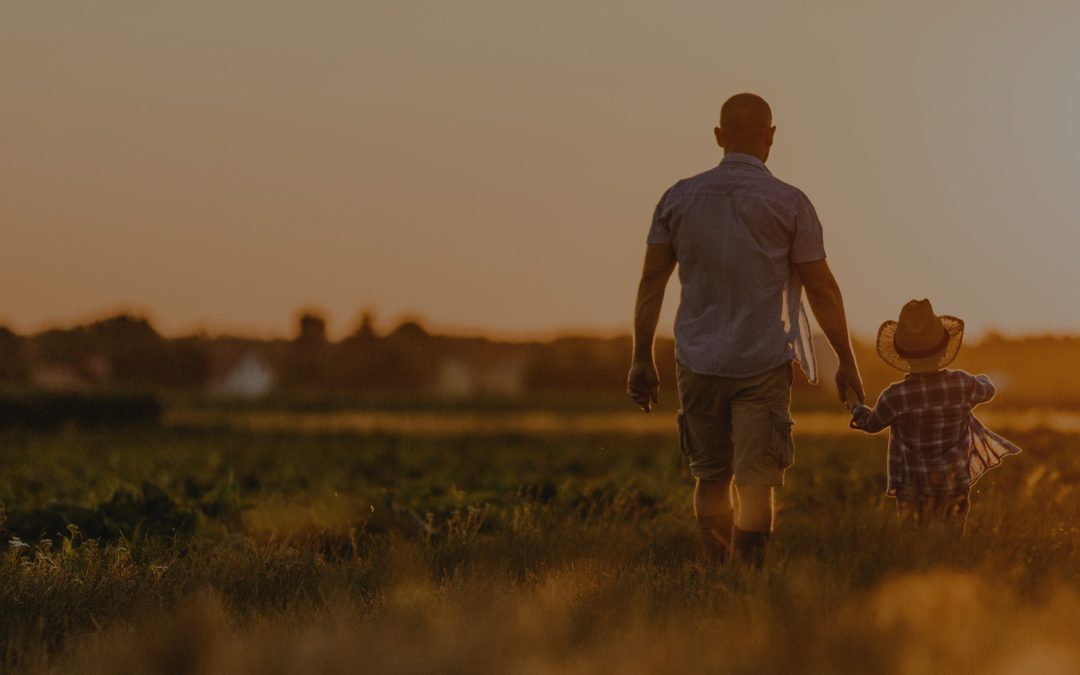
column 920, row 341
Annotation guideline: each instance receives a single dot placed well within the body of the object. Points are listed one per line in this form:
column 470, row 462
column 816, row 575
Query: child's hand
column 859, row 413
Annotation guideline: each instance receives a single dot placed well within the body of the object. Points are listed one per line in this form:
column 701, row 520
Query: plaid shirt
column 935, row 444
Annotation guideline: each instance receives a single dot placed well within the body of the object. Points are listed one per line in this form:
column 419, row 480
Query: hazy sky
column 495, row 164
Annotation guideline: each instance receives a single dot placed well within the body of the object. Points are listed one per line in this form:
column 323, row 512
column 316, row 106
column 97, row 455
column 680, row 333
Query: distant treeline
column 126, row 353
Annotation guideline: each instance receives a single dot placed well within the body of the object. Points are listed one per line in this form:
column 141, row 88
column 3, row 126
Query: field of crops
column 204, row 546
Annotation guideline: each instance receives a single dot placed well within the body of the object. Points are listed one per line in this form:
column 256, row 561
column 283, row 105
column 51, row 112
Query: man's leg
column 756, row 513
column 714, row 509
column 763, row 450
column 754, row 524
column 705, row 438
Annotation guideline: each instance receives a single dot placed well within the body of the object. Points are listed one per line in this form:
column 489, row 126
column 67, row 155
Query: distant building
column 462, row 377
column 249, row 377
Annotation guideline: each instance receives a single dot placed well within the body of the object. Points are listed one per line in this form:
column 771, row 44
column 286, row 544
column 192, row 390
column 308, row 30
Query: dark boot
column 748, row 548
column 716, row 536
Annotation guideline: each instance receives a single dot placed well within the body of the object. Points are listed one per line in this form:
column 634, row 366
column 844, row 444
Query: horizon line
column 446, row 329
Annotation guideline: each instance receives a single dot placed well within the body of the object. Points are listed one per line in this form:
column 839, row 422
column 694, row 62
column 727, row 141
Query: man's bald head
column 746, row 125
column 745, row 114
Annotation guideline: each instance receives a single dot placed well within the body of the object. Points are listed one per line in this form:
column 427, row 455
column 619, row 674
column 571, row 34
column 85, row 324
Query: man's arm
column 643, row 383
column 828, row 306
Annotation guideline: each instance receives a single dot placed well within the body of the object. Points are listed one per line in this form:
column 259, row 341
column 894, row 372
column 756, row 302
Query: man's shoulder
column 790, row 191
column 783, row 191
column 724, row 177
column 691, row 182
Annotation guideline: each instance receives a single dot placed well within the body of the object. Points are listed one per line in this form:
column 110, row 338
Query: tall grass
column 405, row 555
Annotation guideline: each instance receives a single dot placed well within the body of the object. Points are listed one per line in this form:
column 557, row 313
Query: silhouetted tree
column 311, row 329
column 366, row 329
column 409, row 329
column 308, row 364
column 56, row 346
column 189, row 363
column 412, row 356
column 13, row 365
column 586, row 364
column 133, row 352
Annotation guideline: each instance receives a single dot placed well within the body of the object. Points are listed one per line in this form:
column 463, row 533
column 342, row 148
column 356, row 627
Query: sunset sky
column 494, row 165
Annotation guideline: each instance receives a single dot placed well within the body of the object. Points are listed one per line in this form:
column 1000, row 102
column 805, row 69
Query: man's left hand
column 643, row 384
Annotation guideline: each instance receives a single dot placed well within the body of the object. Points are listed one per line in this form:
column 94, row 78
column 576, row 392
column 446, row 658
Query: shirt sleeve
column 873, row 420
column 659, row 233
column 808, row 242
column 983, row 390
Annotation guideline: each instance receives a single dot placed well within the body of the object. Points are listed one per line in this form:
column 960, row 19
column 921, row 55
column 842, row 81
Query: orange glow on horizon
column 493, row 169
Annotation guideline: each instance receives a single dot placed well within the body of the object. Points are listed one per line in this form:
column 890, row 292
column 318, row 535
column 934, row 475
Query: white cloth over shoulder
column 797, row 326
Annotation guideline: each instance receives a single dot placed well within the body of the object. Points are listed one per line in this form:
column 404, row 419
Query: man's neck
column 753, row 152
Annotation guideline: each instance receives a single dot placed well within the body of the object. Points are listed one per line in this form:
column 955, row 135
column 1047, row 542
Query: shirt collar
column 743, row 158
column 923, row 374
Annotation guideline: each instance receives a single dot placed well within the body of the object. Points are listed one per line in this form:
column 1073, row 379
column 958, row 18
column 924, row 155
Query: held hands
column 859, row 413
column 643, row 384
column 849, row 385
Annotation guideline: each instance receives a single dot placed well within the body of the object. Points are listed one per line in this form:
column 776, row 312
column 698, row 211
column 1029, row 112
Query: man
column 746, row 245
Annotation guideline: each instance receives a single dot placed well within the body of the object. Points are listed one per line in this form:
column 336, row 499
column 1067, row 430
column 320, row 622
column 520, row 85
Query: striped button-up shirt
column 935, row 444
column 737, row 233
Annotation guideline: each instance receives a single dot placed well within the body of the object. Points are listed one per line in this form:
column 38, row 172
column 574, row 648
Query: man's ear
column 769, row 136
column 719, row 133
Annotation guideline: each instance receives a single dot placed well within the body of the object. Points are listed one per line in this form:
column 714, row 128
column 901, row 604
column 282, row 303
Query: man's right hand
column 828, row 306
column 848, row 378
column 643, row 384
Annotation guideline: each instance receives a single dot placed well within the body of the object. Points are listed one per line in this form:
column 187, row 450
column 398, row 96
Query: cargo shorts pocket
column 782, row 447
column 684, row 439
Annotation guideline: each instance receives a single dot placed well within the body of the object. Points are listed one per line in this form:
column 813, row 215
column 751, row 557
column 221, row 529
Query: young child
column 937, row 449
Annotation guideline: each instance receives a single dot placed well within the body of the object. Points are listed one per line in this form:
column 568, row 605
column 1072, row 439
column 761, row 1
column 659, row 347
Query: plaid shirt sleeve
column 983, row 390
column 873, row 420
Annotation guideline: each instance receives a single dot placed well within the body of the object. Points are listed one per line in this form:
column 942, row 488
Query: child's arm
column 983, row 390
column 873, row 420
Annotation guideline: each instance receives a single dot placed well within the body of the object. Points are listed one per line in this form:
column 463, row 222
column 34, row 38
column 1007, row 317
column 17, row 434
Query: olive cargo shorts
column 737, row 426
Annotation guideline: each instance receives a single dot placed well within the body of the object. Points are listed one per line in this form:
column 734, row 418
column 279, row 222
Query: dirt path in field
column 548, row 422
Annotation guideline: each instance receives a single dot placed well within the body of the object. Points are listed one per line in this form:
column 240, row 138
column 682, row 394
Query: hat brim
column 886, row 347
